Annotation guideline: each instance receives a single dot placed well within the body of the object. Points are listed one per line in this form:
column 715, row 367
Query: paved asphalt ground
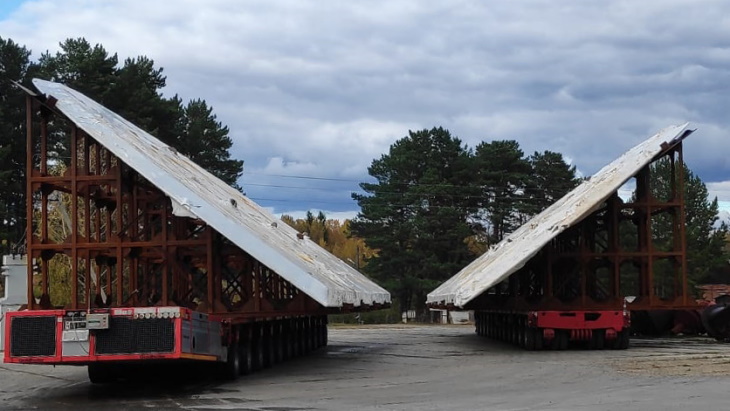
column 412, row 368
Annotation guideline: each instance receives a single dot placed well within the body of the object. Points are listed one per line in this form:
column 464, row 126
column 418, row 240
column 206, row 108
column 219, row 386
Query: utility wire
column 404, row 193
column 415, row 205
column 408, row 183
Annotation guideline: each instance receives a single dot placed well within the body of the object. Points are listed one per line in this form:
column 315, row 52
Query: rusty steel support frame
column 623, row 249
column 100, row 235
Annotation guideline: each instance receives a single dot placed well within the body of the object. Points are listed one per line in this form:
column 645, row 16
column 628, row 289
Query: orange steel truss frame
column 100, row 235
column 623, row 249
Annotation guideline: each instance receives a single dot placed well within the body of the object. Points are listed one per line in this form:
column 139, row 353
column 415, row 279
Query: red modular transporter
column 137, row 254
column 575, row 271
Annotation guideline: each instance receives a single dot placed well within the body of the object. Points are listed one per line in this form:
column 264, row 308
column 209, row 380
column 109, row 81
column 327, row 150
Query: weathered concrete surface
column 413, row 368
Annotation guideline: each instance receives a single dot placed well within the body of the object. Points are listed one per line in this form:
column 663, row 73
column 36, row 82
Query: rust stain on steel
column 197, row 194
column 512, row 253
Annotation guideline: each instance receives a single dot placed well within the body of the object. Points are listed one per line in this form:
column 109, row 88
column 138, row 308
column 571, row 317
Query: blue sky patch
column 8, row 6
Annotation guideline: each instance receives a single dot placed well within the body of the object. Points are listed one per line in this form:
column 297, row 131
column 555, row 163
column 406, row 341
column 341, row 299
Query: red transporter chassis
column 131, row 334
column 144, row 334
column 536, row 330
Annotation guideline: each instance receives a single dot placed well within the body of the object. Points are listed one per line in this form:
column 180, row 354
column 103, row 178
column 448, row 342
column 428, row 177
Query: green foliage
column 550, row 179
column 133, row 90
column 205, row 140
column 90, row 70
column 14, row 66
column 706, row 250
column 436, row 206
column 416, row 215
column 390, row 315
column 136, row 88
column 502, row 173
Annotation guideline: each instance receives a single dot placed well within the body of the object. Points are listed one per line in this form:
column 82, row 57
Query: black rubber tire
column 325, row 333
column 598, row 340
column 622, row 340
column 530, row 343
column 279, row 354
column 564, row 339
column 101, row 373
column 521, row 334
column 560, row 341
column 626, row 340
column 285, row 340
column 315, row 333
column 257, row 351
column 555, row 342
column 268, row 346
column 231, row 369
column 294, row 338
column 539, row 338
column 247, row 366
column 308, row 346
column 301, row 338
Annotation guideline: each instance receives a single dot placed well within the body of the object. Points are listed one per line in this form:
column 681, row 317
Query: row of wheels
column 513, row 328
column 261, row 345
column 252, row 347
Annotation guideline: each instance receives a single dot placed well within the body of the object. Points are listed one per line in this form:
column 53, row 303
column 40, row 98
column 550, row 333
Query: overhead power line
column 407, row 183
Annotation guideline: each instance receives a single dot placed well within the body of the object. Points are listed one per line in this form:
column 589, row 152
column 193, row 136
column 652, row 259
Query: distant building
column 14, row 277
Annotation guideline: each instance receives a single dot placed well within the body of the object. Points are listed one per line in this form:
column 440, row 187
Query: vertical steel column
column 74, row 216
column 648, row 201
column 682, row 223
column 257, row 273
column 133, row 233
column 613, row 211
column 44, row 201
column 643, row 193
column 582, row 259
column 29, row 103
column 549, row 259
column 209, row 267
column 165, row 253
column 117, row 234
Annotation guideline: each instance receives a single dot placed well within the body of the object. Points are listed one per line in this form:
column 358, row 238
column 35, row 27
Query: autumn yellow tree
column 334, row 236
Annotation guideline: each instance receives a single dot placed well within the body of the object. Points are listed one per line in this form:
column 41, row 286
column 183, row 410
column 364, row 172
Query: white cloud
column 321, row 88
column 720, row 190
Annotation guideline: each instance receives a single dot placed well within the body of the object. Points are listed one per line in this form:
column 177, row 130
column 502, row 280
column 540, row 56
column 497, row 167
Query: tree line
column 132, row 88
column 437, row 204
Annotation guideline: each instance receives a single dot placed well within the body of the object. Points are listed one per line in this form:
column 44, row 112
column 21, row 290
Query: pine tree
column 134, row 91
column 502, row 173
column 416, row 214
column 14, row 65
column 205, row 140
column 550, row 179
column 89, row 70
column 705, row 242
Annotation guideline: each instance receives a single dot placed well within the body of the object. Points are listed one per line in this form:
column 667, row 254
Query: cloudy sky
column 313, row 91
